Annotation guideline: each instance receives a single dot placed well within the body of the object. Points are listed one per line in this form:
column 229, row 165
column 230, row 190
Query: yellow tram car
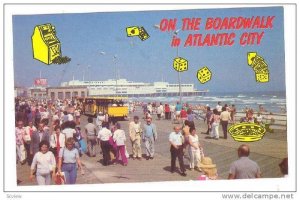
column 115, row 107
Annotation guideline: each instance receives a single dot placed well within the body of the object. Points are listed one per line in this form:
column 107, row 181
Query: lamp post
column 179, row 76
column 157, row 26
column 88, row 73
column 179, row 80
column 116, row 73
column 83, row 74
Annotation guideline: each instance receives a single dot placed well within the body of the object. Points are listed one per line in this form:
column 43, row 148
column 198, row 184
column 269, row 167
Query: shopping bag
column 60, row 178
column 126, row 153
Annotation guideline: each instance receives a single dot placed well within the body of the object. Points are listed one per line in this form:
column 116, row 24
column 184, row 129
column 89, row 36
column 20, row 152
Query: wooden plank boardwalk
column 267, row 153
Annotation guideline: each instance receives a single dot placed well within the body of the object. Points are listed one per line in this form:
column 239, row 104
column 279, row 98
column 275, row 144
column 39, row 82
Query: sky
column 84, row 36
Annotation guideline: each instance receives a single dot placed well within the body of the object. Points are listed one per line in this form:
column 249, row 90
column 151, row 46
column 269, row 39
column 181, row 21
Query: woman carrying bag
column 120, row 138
column 68, row 160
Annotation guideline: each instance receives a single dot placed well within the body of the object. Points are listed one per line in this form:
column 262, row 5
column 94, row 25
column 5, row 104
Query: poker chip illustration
column 247, row 132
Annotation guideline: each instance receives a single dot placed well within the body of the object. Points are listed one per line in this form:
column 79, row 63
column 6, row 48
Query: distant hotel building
column 124, row 88
column 111, row 87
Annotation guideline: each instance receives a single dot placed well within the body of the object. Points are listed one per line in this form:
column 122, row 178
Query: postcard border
column 4, row 109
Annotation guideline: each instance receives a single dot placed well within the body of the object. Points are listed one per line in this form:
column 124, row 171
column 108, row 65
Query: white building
column 122, row 87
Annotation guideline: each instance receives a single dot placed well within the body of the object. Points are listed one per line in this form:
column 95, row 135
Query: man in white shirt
column 69, row 129
column 45, row 115
column 57, row 141
column 259, row 118
column 176, row 140
column 90, row 131
column 219, row 107
column 20, row 132
column 104, row 135
column 99, row 120
column 159, row 111
column 55, row 116
column 29, row 130
column 225, row 118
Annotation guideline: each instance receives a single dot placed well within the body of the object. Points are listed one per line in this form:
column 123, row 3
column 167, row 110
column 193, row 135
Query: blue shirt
column 190, row 117
column 176, row 138
column 178, row 107
column 149, row 130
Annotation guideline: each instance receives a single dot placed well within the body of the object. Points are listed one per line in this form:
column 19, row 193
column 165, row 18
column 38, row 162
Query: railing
column 277, row 121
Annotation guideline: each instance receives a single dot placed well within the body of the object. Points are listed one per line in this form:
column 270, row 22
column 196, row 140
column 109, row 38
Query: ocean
column 272, row 101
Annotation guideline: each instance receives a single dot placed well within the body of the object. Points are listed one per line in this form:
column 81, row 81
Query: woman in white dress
column 194, row 149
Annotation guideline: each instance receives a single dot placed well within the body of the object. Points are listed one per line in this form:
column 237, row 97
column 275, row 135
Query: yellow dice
column 262, row 77
column 180, row 64
column 204, row 75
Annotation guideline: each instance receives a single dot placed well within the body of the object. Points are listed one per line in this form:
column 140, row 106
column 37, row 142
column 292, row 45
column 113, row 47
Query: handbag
column 126, row 152
column 60, row 178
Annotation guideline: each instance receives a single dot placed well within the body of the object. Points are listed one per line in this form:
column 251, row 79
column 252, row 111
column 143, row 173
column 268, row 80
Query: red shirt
column 183, row 114
column 167, row 108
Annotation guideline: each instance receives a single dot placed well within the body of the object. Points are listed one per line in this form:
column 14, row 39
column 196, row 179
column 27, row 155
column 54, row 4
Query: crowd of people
column 47, row 138
column 215, row 117
column 50, row 140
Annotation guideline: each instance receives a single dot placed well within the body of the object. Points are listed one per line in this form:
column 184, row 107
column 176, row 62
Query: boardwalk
column 267, row 153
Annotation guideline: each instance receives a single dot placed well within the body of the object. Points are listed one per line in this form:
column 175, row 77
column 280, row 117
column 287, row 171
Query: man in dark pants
column 176, row 140
column 104, row 135
column 90, row 131
column 225, row 118
column 37, row 137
